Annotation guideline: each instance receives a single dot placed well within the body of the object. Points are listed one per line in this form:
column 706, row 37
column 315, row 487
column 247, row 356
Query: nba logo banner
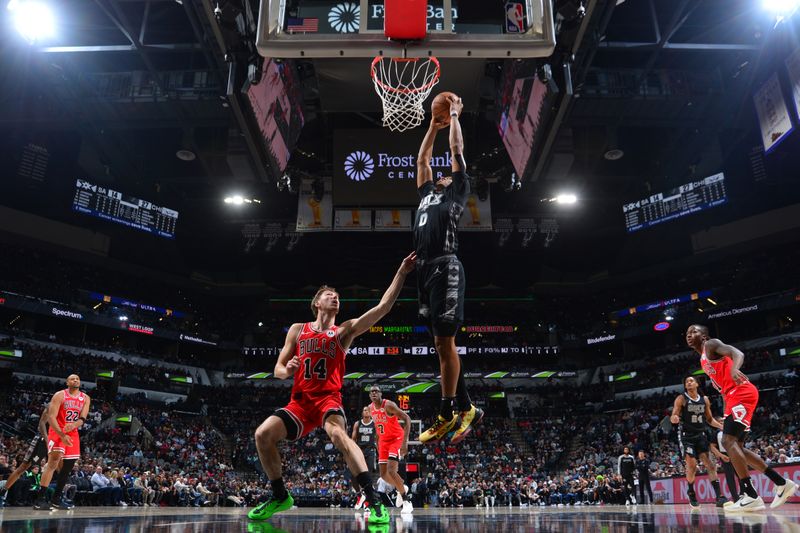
column 515, row 19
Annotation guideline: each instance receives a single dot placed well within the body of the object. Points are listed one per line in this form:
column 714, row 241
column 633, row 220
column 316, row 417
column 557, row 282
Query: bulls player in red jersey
column 722, row 363
column 314, row 353
column 392, row 442
column 67, row 412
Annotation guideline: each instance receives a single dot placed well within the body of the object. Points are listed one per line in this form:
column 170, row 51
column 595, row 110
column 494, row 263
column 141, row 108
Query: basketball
column 441, row 107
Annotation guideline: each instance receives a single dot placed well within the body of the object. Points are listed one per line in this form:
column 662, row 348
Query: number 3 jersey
column 321, row 361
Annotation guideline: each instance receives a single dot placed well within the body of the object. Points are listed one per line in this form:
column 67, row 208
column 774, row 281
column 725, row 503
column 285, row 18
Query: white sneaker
column 783, row 493
column 398, row 500
column 746, row 504
column 408, row 507
column 360, row 502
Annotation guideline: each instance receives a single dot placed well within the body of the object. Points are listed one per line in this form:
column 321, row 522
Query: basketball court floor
column 605, row 519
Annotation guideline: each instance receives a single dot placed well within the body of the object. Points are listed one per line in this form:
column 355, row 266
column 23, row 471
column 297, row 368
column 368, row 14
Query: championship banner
column 392, row 220
column 793, row 68
column 477, row 215
column 352, row 220
column 773, row 116
column 314, row 214
column 675, row 490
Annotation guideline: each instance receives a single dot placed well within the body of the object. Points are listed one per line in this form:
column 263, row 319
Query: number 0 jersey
column 70, row 409
column 321, row 361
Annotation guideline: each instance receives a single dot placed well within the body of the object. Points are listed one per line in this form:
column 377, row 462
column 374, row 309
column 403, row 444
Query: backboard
column 456, row 28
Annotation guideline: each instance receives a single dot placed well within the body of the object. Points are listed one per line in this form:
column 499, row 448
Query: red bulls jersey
column 388, row 426
column 70, row 409
column 321, row 361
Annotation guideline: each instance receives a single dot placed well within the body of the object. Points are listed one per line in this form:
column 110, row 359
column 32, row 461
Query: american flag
column 302, row 25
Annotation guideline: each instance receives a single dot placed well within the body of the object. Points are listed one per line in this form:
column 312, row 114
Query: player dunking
column 392, row 442
column 66, row 413
column 366, row 438
column 692, row 411
column 722, row 364
column 440, row 274
column 314, row 353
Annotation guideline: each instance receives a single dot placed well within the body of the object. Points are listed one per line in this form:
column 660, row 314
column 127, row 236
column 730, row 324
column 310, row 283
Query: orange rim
column 391, row 89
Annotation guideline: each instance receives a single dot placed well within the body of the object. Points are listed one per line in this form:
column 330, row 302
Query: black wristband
column 82, row 418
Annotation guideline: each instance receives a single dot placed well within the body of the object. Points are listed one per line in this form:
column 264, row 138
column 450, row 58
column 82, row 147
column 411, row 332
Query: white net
column 403, row 84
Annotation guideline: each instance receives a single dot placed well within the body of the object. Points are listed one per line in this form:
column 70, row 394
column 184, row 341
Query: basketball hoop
column 403, row 84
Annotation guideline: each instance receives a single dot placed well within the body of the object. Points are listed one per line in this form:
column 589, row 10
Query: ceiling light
column 781, row 7
column 712, row 302
column 566, row 199
column 614, row 154
column 33, row 20
column 123, row 318
column 185, row 155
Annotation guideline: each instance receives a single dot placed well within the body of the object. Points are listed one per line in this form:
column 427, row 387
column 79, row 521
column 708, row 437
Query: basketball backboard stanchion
column 283, row 35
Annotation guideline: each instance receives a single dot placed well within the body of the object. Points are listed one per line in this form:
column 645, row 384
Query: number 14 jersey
column 321, row 361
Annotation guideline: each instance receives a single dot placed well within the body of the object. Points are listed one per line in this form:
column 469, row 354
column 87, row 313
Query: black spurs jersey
column 366, row 434
column 626, row 465
column 693, row 415
column 436, row 220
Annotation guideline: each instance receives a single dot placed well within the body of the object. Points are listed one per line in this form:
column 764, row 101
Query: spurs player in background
column 440, row 274
column 365, row 437
column 692, row 410
column 66, row 414
column 37, row 450
column 314, row 354
column 722, row 363
column 392, row 443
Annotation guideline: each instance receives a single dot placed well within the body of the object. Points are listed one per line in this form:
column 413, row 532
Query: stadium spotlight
column 33, row 20
column 238, row 199
column 565, row 199
column 781, row 8
column 123, row 318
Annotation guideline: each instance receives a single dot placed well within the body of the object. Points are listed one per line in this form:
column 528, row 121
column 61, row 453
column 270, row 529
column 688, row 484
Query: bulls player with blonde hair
column 314, row 355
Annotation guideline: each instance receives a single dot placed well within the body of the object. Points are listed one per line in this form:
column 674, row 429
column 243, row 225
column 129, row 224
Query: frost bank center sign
column 372, row 168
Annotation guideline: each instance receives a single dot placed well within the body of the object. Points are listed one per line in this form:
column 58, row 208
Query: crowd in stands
column 194, row 460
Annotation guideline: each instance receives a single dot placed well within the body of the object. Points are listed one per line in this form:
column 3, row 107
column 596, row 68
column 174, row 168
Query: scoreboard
column 684, row 200
column 109, row 204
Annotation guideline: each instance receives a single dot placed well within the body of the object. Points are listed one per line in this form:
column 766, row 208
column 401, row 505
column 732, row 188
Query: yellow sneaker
column 439, row 429
column 469, row 419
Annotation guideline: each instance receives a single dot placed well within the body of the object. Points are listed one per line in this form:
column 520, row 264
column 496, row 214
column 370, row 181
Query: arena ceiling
column 129, row 83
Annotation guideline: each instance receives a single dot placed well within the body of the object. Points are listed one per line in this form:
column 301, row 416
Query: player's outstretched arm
column 351, row 329
column 288, row 363
column 458, row 163
column 424, row 172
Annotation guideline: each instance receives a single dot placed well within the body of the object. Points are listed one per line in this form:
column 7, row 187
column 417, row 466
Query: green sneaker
column 266, row 509
column 378, row 514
